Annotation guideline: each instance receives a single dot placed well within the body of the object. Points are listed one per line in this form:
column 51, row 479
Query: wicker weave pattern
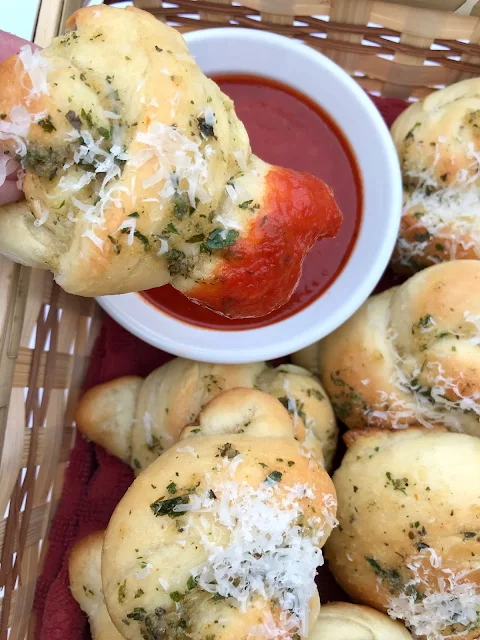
column 46, row 335
column 45, row 359
column 384, row 45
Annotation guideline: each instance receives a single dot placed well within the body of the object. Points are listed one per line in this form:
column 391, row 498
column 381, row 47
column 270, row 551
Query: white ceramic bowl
column 246, row 51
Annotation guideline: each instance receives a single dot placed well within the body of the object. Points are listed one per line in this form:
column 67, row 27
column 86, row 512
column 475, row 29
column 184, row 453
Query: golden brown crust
column 86, row 585
column 409, row 355
column 407, row 511
column 137, row 419
column 438, row 145
column 156, row 552
column 140, row 173
column 106, row 412
column 345, row 621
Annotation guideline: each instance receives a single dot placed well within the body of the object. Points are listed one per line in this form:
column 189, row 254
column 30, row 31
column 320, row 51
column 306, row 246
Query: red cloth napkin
column 96, row 481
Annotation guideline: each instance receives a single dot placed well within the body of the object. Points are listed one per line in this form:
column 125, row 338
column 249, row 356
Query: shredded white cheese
column 88, row 233
column 270, row 552
column 209, row 117
column 44, row 216
column 232, row 194
column 187, row 449
column 148, row 423
column 449, row 599
column 35, row 66
column 163, row 247
column 131, row 225
column 143, row 573
column 173, row 153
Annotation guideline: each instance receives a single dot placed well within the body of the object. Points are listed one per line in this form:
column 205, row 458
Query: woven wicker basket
column 396, row 49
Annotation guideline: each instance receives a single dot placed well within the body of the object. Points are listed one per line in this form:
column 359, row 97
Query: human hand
column 9, row 192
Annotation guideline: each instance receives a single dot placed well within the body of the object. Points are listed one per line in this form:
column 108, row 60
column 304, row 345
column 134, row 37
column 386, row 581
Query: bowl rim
column 126, row 309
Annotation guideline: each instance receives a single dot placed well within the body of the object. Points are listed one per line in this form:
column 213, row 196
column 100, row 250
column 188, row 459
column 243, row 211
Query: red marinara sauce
column 286, row 129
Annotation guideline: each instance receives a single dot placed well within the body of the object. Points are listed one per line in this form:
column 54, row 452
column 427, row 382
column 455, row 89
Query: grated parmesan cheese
column 449, row 599
column 163, row 247
column 173, row 154
column 44, row 216
column 148, row 423
column 268, row 555
column 131, row 225
column 164, row 583
column 232, row 194
column 143, row 573
column 35, row 66
column 88, row 233
column 450, row 214
column 187, row 449
column 209, row 117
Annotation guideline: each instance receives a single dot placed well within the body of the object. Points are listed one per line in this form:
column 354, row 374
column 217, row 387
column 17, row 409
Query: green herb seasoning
column 422, row 237
column 122, row 591
column 391, row 575
column 139, row 593
column 143, row 239
column 410, row 135
column 138, row 614
column 47, row 124
column 116, row 247
column 181, row 205
column 315, row 393
column 175, row 259
column 205, row 129
column 166, row 507
column 172, row 487
column 192, row 583
column 87, row 117
column 274, row 476
column 220, row 239
column 104, row 132
column 468, row 535
column 196, row 238
column 228, row 451
column 176, row 596
column 398, row 484
column 74, row 120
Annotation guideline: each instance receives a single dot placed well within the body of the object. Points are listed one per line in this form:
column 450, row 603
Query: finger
column 10, row 44
column 9, row 193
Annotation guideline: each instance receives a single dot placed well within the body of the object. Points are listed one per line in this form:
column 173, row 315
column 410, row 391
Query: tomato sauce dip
column 288, row 129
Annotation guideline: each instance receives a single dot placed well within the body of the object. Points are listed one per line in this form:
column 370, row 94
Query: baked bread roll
column 437, row 143
column 84, row 570
column 408, row 538
column 138, row 173
column 222, row 533
column 345, row 621
column 137, row 419
column 409, row 355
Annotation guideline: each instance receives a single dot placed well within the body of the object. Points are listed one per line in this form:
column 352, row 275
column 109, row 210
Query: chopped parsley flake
column 399, row 484
column 275, row 476
column 220, row 239
column 122, row 591
column 166, row 507
column 47, row 124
